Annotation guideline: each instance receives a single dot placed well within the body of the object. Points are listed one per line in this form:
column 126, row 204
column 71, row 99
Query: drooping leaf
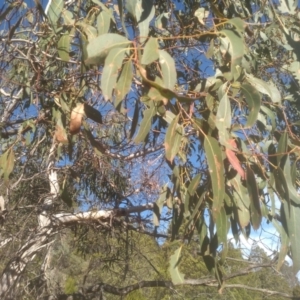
column 284, row 243
column 60, row 130
column 113, row 63
column 242, row 201
column 264, row 87
column 124, row 83
column 145, row 20
column 253, row 100
column 64, row 47
column 270, row 114
column 7, row 161
column 200, row 14
column 255, row 209
column 173, row 139
column 216, row 170
column 293, row 194
column 223, row 118
column 167, row 64
column 176, row 276
column 54, row 11
column 233, row 158
column 145, row 125
column 92, row 113
column 194, row 184
column 293, row 225
column 76, row 118
column 158, row 205
column 89, row 30
column 134, row 119
column 236, row 52
column 150, row 51
column 98, row 48
column 282, row 147
column 103, row 22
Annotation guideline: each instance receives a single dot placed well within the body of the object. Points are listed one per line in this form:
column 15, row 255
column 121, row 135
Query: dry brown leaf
column 60, row 134
column 76, row 118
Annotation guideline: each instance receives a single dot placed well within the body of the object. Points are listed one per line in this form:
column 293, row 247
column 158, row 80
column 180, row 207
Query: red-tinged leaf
column 254, row 199
column 216, row 169
column 234, row 160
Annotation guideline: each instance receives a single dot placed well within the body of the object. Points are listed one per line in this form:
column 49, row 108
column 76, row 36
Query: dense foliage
column 177, row 120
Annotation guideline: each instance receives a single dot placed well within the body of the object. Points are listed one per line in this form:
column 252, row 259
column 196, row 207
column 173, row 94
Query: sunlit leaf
column 264, row 87
column 200, row 14
column 167, row 64
column 103, row 22
column 150, row 51
column 145, row 20
column 236, row 50
column 216, row 170
column 54, row 11
column 64, row 46
column 98, row 48
column 223, row 118
column 113, row 63
column 176, row 276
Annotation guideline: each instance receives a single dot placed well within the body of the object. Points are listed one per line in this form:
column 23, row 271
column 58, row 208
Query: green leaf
column 216, row 170
column 284, row 243
column 223, row 118
column 124, row 83
column 103, row 22
column 54, row 11
column 267, row 88
column 236, row 50
column 255, row 209
column 113, row 63
column 64, row 47
column 144, row 25
column 194, row 184
column 90, row 31
column 282, row 147
column 222, row 226
column 158, row 205
column 242, row 201
column 7, row 161
column 145, row 125
column 68, row 17
column 98, row 48
column 293, row 225
column 200, row 14
column 293, row 194
column 173, row 139
column 253, row 100
column 92, row 113
column 176, row 276
column 135, row 119
column 169, row 73
column 150, row 51
column 270, row 114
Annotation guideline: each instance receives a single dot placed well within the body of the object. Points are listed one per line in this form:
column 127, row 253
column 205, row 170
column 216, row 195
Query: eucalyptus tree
column 139, row 114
